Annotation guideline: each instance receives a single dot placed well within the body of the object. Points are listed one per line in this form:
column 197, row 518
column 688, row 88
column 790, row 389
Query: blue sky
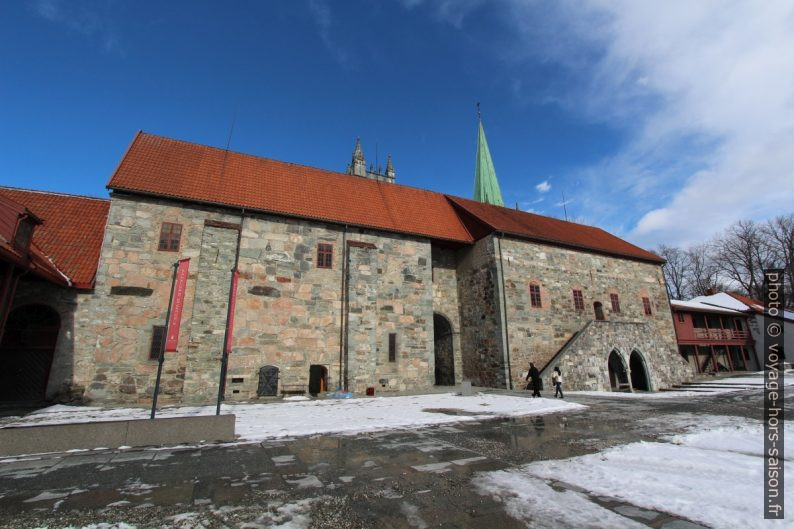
column 660, row 125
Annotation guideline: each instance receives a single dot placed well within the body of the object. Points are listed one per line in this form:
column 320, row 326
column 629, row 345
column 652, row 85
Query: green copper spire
column 486, row 186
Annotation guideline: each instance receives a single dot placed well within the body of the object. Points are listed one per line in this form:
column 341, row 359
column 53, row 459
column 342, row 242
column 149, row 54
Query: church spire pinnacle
column 486, row 186
column 358, row 166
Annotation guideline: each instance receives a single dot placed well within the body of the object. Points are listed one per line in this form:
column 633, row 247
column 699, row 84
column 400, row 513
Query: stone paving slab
column 400, row 479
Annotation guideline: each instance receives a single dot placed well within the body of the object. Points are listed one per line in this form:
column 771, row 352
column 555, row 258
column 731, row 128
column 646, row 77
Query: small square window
column 615, row 303
column 534, row 295
column 646, row 305
column 158, row 342
column 170, row 234
column 392, row 347
column 578, row 300
column 325, row 255
column 681, row 317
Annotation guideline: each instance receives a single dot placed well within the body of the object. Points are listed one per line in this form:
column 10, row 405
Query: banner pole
column 161, row 358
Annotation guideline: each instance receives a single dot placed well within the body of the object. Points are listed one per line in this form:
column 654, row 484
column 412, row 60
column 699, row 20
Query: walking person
column 556, row 380
column 534, row 377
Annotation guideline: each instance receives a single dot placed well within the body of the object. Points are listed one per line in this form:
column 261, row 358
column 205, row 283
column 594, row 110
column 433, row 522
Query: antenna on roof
column 564, row 208
column 228, row 142
column 231, row 130
column 479, row 116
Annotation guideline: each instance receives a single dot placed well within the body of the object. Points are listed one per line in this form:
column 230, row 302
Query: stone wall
column 445, row 302
column 481, row 315
column 288, row 312
column 583, row 363
column 64, row 370
column 536, row 334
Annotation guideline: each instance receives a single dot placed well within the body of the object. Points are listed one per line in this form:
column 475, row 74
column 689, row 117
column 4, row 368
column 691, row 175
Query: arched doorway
column 443, row 350
column 599, row 311
column 26, row 352
column 639, row 375
column 618, row 377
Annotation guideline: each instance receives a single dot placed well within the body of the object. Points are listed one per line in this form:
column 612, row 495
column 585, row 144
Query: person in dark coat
column 534, row 377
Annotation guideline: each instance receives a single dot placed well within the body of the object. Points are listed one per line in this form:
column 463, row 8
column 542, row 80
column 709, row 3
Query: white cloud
column 706, row 92
column 91, row 19
column 452, row 12
column 544, row 186
column 321, row 12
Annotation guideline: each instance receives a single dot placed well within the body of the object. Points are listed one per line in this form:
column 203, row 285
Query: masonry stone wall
column 288, row 311
column 446, row 304
column 583, row 363
column 64, row 371
column 536, row 334
column 481, row 315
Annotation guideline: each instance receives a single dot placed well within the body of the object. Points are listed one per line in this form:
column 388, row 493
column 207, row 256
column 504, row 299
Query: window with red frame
column 170, row 234
column 646, row 304
column 534, row 295
column 615, row 302
column 325, row 255
column 681, row 317
column 578, row 300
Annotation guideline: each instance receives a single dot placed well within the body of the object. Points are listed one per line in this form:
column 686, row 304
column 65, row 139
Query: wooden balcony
column 721, row 335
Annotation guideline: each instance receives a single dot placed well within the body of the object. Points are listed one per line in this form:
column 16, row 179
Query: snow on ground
column 292, row 419
column 704, row 388
column 712, row 475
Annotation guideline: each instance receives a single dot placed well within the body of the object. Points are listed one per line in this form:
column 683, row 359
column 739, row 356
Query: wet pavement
column 399, row 479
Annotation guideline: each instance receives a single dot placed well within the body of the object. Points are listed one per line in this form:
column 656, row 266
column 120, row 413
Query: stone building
column 47, row 278
column 353, row 281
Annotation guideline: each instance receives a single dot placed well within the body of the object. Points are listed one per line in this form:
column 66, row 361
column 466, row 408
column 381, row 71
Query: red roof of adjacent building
column 552, row 231
column 754, row 304
column 164, row 167
column 172, row 168
column 71, row 235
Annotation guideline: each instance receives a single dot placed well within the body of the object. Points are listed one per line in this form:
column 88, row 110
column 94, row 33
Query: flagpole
column 161, row 358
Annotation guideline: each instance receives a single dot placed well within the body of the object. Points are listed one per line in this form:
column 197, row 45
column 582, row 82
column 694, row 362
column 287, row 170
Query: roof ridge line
column 260, row 157
column 56, row 193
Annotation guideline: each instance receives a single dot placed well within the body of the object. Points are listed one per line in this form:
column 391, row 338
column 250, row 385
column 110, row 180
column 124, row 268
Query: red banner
column 230, row 322
column 177, row 303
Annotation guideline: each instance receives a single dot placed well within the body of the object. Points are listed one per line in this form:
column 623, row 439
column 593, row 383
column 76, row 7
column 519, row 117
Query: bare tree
column 779, row 234
column 741, row 254
column 676, row 268
column 702, row 277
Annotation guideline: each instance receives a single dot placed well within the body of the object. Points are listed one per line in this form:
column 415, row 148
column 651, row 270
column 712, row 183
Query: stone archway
column 639, row 374
column 26, row 352
column 443, row 351
column 618, row 376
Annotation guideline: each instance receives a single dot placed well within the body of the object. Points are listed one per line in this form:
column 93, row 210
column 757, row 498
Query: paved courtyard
column 429, row 477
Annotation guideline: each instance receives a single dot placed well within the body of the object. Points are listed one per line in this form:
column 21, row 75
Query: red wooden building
column 713, row 339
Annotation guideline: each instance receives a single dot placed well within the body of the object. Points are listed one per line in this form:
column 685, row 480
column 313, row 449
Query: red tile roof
column 171, row 168
column 552, row 231
column 71, row 234
column 178, row 169
column 754, row 304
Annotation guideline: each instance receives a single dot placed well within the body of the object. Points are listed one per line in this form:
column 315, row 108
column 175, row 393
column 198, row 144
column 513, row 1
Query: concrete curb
column 112, row 434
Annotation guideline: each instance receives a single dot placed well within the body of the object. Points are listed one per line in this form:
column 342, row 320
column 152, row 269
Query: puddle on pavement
column 454, row 411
